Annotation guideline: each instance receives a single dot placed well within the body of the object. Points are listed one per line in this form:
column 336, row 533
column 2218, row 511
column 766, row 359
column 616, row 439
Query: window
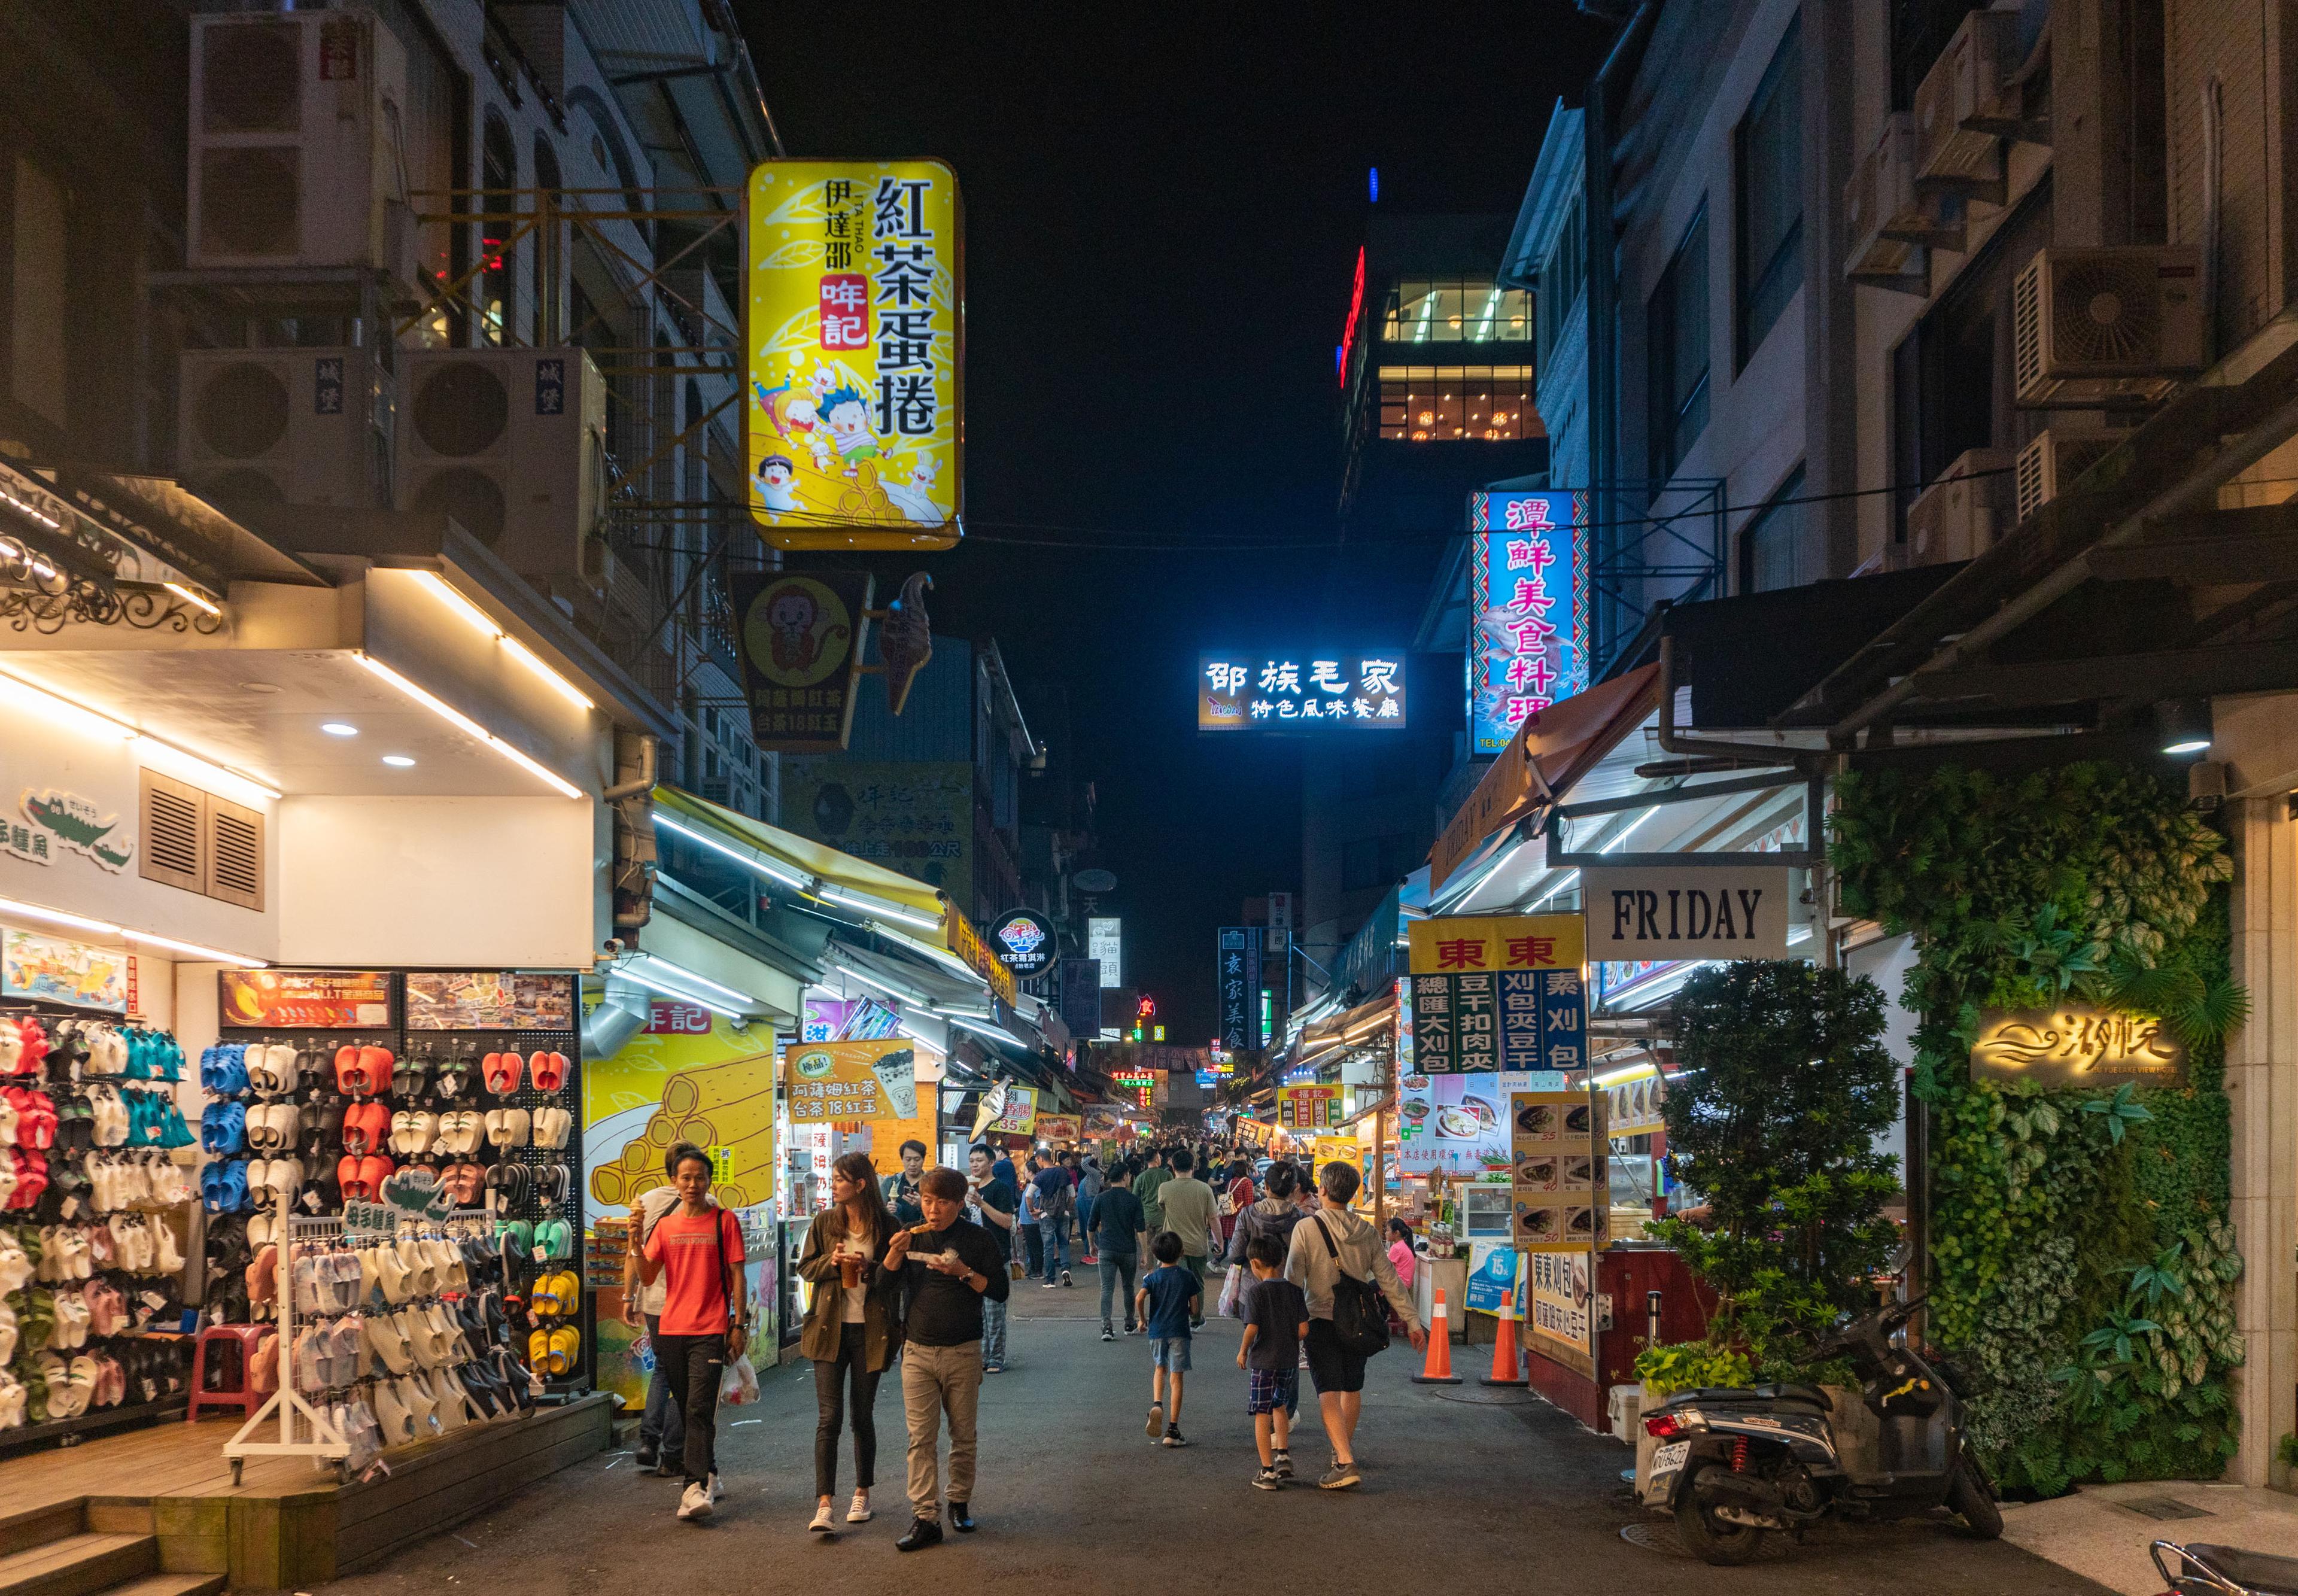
column 1561, row 276
column 1769, row 223
column 498, row 177
column 1771, row 545
column 1424, row 404
column 1676, row 325
column 1472, row 311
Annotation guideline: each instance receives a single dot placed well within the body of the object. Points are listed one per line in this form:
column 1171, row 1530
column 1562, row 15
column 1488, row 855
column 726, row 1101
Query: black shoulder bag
column 1359, row 1312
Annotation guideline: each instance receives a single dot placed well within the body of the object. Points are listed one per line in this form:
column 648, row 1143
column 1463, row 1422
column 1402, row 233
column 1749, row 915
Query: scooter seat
column 2254, row 1571
column 1759, row 1396
column 1792, row 1391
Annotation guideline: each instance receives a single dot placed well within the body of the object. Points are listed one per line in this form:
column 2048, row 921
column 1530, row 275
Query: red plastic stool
column 243, row 1339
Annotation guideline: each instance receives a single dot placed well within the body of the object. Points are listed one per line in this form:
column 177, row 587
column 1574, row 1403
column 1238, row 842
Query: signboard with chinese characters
column 55, row 823
column 801, row 637
column 1104, row 941
column 915, row 817
column 1562, row 1314
column 961, row 939
column 59, row 969
column 1023, row 939
column 1248, row 692
column 1560, row 1185
column 1498, row 992
column 854, row 300
column 1528, row 604
column 2076, row 1045
column 1019, row 1116
column 1309, row 1107
column 1137, row 1087
column 834, row 1081
column 304, row 999
column 489, row 1000
column 1688, row 912
column 1237, row 974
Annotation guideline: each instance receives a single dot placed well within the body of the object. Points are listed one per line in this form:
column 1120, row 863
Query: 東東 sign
column 2076, row 1045
column 1687, row 912
column 1504, row 992
column 1528, row 607
column 1023, row 941
column 1248, row 692
column 852, row 427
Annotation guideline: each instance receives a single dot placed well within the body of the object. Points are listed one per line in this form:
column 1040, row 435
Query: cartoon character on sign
column 777, row 489
column 847, row 415
column 790, row 619
column 796, row 632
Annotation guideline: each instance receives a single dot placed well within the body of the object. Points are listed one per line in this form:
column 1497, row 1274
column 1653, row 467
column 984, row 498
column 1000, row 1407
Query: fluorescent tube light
column 468, row 726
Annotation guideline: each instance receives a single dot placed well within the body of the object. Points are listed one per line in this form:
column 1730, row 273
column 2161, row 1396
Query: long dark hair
column 857, row 1168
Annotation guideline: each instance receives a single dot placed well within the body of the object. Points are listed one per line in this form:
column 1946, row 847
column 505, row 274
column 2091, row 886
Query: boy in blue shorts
column 1276, row 1323
column 1164, row 1305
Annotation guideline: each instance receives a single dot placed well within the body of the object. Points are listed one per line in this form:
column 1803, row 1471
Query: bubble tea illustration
column 897, row 1080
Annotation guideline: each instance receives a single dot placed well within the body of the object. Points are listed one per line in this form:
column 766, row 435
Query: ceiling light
column 468, row 726
column 480, row 621
column 680, row 973
column 78, row 923
column 63, row 712
column 2183, row 726
column 81, row 923
column 397, row 761
column 340, row 728
column 551, row 678
column 470, row 613
column 773, row 873
column 872, row 980
column 196, row 601
column 213, row 955
column 869, row 905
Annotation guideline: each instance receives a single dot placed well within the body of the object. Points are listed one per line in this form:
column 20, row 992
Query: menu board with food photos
column 1560, row 1185
column 1633, row 1107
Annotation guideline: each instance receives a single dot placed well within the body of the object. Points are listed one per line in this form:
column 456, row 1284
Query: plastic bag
column 739, row 1385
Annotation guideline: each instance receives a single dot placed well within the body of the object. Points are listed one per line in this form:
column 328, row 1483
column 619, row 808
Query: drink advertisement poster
column 833, row 1082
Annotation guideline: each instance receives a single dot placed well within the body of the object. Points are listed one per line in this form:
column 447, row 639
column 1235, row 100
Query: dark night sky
column 1161, row 219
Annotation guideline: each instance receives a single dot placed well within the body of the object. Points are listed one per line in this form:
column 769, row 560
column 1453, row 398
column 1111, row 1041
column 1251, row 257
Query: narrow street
column 1470, row 1489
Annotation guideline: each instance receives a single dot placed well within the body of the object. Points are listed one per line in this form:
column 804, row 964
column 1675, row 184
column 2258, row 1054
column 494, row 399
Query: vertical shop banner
column 1560, row 1320
column 961, row 939
column 1528, row 607
column 1081, row 985
column 1561, row 1183
column 801, row 637
column 1237, row 968
column 837, row 1082
column 1308, row 1108
column 854, row 294
column 715, row 1088
column 1498, row 992
column 913, row 818
column 1104, row 941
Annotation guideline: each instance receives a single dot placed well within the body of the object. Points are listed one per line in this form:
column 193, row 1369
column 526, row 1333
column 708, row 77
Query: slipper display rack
column 95, row 1214
column 322, row 1116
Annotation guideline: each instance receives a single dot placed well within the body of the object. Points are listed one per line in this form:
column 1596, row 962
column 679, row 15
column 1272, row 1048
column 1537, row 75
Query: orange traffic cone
column 1506, row 1363
column 1438, row 1370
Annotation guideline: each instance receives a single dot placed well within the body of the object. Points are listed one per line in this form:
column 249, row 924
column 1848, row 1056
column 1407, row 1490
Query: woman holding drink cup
column 851, row 1331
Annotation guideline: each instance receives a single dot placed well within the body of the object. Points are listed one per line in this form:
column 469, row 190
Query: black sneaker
column 647, row 1460
column 1109, row 1336
column 1173, row 1435
column 1065, row 1277
column 1269, row 1479
column 1283, row 1465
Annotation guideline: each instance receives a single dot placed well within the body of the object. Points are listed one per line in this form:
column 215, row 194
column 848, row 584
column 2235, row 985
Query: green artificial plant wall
column 2082, row 1265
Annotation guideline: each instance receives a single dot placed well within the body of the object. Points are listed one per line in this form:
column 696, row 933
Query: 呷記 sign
column 2076, row 1043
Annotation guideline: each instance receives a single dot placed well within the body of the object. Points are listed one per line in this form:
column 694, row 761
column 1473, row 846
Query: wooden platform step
column 81, row 1564
column 169, row 1585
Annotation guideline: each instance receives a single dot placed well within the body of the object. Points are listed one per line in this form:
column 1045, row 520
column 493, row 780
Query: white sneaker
column 696, row 1503
column 718, row 1488
column 860, row 1513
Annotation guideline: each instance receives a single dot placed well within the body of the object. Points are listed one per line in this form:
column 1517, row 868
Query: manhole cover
column 2163, row 1507
column 1653, row 1537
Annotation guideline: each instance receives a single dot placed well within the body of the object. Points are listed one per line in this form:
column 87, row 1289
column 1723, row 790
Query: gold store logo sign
column 2076, row 1045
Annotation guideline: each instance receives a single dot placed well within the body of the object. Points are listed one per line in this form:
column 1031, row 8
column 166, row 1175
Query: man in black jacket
column 949, row 1267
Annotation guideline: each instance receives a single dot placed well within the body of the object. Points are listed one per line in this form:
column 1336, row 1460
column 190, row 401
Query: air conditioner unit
column 1958, row 517
column 297, row 158
column 1969, row 80
column 2100, row 326
column 259, row 426
column 1886, row 226
column 2055, row 458
column 512, row 444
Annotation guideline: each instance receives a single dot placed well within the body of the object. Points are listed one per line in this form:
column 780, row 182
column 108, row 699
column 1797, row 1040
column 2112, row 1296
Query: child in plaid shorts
column 1276, row 1323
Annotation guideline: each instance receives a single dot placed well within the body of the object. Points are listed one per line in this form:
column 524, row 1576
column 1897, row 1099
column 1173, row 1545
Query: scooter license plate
column 1670, row 1457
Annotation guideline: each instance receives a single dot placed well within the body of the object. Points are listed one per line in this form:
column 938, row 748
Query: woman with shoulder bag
column 1336, row 1260
column 852, row 1328
column 695, row 1251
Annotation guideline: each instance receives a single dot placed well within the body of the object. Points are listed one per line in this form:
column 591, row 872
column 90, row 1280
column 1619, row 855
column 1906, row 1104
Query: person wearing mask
column 901, row 1190
column 1326, row 1244
column 1191, row 1212
column 1090, row 1181
column 1145, row 1186
column 998, row 1204
column 1118, row 1243
column 851, row 1331
column 951, row 1269
column 695, row 1251
column 662, row 1429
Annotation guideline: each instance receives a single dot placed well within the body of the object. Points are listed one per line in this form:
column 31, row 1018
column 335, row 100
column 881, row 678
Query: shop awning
column 1547, row 755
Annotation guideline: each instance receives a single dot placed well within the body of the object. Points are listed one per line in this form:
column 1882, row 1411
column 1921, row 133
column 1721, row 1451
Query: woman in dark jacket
column 1275, row 1214
column 852, row 1328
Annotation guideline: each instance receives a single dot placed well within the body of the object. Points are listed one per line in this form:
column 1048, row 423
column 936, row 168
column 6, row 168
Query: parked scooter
column 1734, row 1464
column 2223, row 1571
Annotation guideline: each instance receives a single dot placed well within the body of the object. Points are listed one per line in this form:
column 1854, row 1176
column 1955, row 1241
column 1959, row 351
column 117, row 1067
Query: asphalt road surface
column 1465, row 1490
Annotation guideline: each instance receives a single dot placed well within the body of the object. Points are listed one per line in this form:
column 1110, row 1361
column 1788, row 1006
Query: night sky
column 1161, row 220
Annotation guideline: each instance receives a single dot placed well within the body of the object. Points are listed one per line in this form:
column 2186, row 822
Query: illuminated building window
column 1424, row 404
column 1475, row 311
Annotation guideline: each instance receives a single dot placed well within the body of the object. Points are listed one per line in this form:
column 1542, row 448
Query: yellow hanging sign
column 853, row 291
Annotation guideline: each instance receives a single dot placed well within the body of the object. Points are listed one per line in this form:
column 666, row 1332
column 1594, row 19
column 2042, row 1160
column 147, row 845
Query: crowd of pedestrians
column 918, row 1267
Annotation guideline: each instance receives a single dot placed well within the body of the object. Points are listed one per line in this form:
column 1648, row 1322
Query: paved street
column 1471, row 1489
